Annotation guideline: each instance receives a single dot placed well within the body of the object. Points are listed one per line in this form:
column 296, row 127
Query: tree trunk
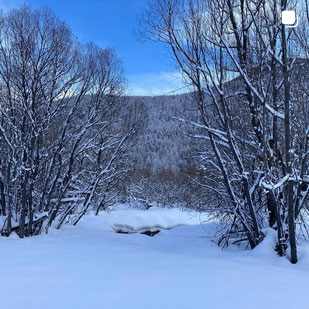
column 287, row 133
column 2, row 198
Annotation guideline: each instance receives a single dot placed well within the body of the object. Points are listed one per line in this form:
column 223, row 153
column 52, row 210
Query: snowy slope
column 90, row 266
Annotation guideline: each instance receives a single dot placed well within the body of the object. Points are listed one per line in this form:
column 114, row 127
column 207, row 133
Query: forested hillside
column 161, row 152
column 160, row 144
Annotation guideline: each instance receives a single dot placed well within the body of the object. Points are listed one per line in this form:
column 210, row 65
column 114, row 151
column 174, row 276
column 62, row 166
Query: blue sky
column 111, row 23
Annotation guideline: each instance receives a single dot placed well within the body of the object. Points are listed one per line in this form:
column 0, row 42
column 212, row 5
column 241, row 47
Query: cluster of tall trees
column 62, row 138
column 249, row 74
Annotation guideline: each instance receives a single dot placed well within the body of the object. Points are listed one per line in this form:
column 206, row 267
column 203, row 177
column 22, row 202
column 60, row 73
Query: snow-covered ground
column 91, row 266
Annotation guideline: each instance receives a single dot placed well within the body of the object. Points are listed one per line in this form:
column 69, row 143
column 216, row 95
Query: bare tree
column 59, row 126
column 240, row 62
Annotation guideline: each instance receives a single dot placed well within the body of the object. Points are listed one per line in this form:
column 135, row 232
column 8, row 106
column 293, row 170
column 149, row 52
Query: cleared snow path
column 90, row 266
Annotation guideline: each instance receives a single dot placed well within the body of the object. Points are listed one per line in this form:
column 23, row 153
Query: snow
column 153, row 219
column 91, row 266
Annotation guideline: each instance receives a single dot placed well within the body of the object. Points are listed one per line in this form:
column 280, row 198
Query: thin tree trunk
column 290, row 185
column 2, row 198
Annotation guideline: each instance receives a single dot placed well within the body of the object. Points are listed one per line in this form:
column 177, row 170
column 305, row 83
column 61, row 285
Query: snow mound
column 128, row 229
column 154, row 219
column 267, row 247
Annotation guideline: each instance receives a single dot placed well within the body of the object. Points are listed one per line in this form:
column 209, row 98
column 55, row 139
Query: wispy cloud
column 156, row 84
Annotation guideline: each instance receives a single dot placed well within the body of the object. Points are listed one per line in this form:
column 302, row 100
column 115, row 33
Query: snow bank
column 127, row 220
column 90, row 266
column 266, row 248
